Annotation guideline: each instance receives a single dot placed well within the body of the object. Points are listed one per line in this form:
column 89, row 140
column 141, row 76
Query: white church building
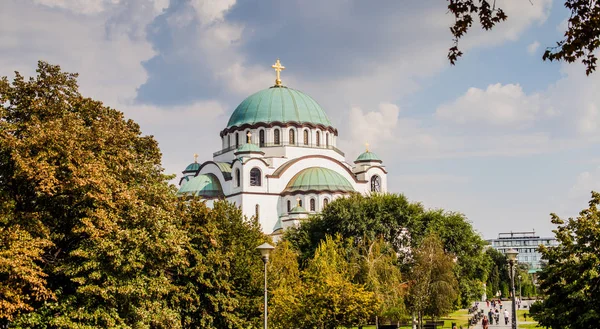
column 279, row 161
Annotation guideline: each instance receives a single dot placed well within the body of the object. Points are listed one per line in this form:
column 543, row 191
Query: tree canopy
column 92, row 235
column 403, row 225
column 580, row 42
column 571, row 280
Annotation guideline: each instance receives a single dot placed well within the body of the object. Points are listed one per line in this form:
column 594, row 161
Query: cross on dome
column 367, row 146
column 278, row 68
column 195, row 158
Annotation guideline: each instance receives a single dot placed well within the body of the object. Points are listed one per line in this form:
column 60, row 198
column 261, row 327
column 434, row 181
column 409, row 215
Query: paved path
column 501, row 325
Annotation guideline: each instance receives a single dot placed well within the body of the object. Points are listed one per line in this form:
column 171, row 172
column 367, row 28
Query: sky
column 503, row 137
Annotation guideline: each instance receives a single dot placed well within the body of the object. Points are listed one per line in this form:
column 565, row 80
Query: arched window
column 325, row 202
column 300, row 203
column 313, row 205
column 255, row 177
column 237, row 140
column 375, row 183
column 292, row 137
column 305, row 137
column 276, row 137
column 327, row 140
column 237, row 178
column 289, row 206
column 257, row 211
column 228, row 140
column 261, row 138
column 318, row 141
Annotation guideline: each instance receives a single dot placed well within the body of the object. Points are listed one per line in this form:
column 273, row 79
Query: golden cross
column 278, row 68
column 195, row 158
column 249, row 134
column 367, row 146
column 298, row 201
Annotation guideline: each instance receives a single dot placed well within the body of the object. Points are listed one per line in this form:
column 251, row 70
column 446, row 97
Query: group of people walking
column 494, row 314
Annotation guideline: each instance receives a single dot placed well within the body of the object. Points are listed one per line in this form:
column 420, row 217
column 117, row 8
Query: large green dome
column 318, row 179
column 278, row 104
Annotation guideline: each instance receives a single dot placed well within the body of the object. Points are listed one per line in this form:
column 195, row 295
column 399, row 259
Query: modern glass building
column 526, row 243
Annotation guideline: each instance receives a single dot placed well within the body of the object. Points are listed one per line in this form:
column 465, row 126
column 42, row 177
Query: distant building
column 526, row 243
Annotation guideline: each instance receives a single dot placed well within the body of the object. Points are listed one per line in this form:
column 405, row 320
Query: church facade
column 279, row 161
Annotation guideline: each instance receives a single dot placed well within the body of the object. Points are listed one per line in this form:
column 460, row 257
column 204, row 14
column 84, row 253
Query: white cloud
column 532, row 47
column 503, row 105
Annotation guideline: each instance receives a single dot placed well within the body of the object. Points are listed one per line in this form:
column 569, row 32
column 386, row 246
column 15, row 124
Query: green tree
column 361, row 218
column 498, row 280
column 331, row 299
column 570, row 282
column 220, row 285
column 82, row 187
column 380, row 273
column 433, row 288
column 286, row 301
column 466, row 245
column 581, row 39
column 403, row 225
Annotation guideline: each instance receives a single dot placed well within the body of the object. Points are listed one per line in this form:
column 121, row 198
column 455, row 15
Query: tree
column 571, row 280
column 433, row 288
column 362, row 218
column 87, row 211
column 220, row 285
column 331, row 299
column 380, row 273
column 581, row 39
column 401, row 224
column 286, row 301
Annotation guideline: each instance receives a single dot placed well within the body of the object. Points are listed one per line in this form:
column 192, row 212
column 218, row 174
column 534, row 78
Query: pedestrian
column 487, row 302
column 505, row 317
column 525, row 316
column 485, row 323
column 491, row 316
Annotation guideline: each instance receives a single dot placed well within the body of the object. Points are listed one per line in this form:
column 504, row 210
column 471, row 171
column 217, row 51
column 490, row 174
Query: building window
column 255, row 177
column 305, row 137
column 327, row 140
column 256, row 211
column 289, row 205
column 237, row 178
column 375, row 183
column 228, row 140
column 237, row 140
column 276, row 137
column 313, row 205
column 292, row 137
column 318, row 139
column 325, row 202
column 261, row 138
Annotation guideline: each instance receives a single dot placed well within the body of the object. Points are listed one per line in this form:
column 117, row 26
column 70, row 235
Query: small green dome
column 249, row 148
column 318, row 179
column 206, row 185
column 278, row 104
column 368, row 157
column 298, row 210
column 192, row 167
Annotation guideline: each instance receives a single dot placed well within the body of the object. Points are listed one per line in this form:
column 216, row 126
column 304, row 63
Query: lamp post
column 511, row 254
column 265, row 250
column 520, row 289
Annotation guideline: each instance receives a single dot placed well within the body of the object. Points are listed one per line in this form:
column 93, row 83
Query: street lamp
column 511, row 254
column 265, row 250
column 520, row 289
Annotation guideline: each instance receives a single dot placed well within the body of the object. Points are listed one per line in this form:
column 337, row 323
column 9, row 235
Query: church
column 279, row 161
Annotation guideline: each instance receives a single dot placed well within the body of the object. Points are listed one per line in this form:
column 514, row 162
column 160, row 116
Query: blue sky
column 502, row 136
